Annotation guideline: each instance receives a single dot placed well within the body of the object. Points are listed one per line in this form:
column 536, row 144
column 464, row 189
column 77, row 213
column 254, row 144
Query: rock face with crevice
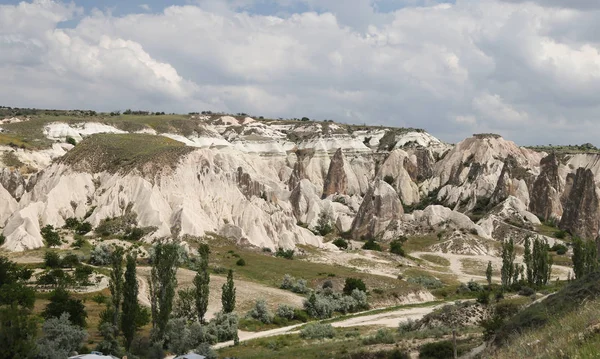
column 547, row 188
column 581, row 215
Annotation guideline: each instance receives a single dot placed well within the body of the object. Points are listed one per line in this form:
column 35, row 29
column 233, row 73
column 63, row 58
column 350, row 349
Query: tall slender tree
column 130, row 306
column 508, row 259
column 116, row 283
column 201, row 282
column 163, row 281
column 488, row 274
column 527, row 258
column 585, row 257
column 228, row 294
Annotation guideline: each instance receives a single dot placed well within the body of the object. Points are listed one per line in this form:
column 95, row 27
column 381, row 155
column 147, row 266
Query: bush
column 474, row 286
column 296, row 286
column 317, row 331
column 426, row 281
column 560, row 234
column 241, row 262
column 84, row 228
column 327, row 284
column 383, row 336
column 559, row 249
column 70, row 261
column 526, row 291
column 301, row 315
column 51, row 259
column 352, row 284
column 100, row 255
column 319, row 306
column 285, row 253
column 79, row 242
column 261, row 312
column 341, row 243
column 483, row 297
column 50, row 236
column 71, row 223
column 388, row 179
column 396, row 248
column 437, row 350
column 134, row 234
column 70, row 140
column 285, row 311
column 371, row 245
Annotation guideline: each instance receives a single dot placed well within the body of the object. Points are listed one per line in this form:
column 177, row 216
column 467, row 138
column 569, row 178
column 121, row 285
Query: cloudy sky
column 528, row 70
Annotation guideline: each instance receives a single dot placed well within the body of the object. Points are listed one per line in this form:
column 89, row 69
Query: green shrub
column 371, row 245
column 241, row 262
column 71, row 223
column 261, row 312
column 285, row 311
column 317, row 331
column 352, row 284
column 50, row 236
column 560, row 234
column 285, row 253
column 340, row 243
column 301, row 315
column 388, row 179
column 380, row 354
column 70, row 140
column 383, row 336
column 483, row 297
column 83, row 228
column 51, row 259
column 69, row 261
column 396, row 248
column 437, row 350
column 526, row 291
column 474, row 286
column 559, row 248
column 426, row 281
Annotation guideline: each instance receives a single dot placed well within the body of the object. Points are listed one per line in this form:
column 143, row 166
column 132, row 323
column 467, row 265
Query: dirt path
column 388, row 319
column 457, row 268
column 247, row 292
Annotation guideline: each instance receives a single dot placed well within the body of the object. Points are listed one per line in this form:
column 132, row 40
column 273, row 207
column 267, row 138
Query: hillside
column 416, row 220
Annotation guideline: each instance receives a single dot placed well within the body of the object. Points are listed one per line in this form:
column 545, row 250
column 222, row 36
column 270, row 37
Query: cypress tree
column 163, row 281
column 228, row 294
column 508, row 259
column 116, row 283
column 130, row 302
column 201, row 282
column 488, row 274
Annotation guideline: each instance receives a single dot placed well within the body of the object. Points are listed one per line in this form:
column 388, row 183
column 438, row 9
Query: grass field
column 265, row 268
column 119, row 152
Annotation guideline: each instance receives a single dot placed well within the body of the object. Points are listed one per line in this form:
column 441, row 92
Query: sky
column 527, row 70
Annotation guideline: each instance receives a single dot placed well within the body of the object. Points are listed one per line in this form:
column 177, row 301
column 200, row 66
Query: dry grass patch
column 435, row 259
column 473, row 266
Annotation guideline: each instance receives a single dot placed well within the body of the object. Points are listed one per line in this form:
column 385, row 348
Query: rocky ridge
column 266, row 183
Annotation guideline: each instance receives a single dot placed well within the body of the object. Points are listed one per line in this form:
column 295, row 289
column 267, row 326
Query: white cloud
column 145, row 7
column 485, row 65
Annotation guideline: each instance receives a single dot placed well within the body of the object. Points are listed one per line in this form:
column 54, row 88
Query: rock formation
column 379, row 208
column 546, row 190
column 336, row 181
column 581, row 212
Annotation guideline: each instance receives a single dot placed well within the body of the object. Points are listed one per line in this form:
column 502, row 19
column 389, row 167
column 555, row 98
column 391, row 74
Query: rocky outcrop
column 395, row 170
column 581, row 212
column 13, row 182
column 472, row 169
column 379, row 208
column 547, row 188
column 336, row 181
